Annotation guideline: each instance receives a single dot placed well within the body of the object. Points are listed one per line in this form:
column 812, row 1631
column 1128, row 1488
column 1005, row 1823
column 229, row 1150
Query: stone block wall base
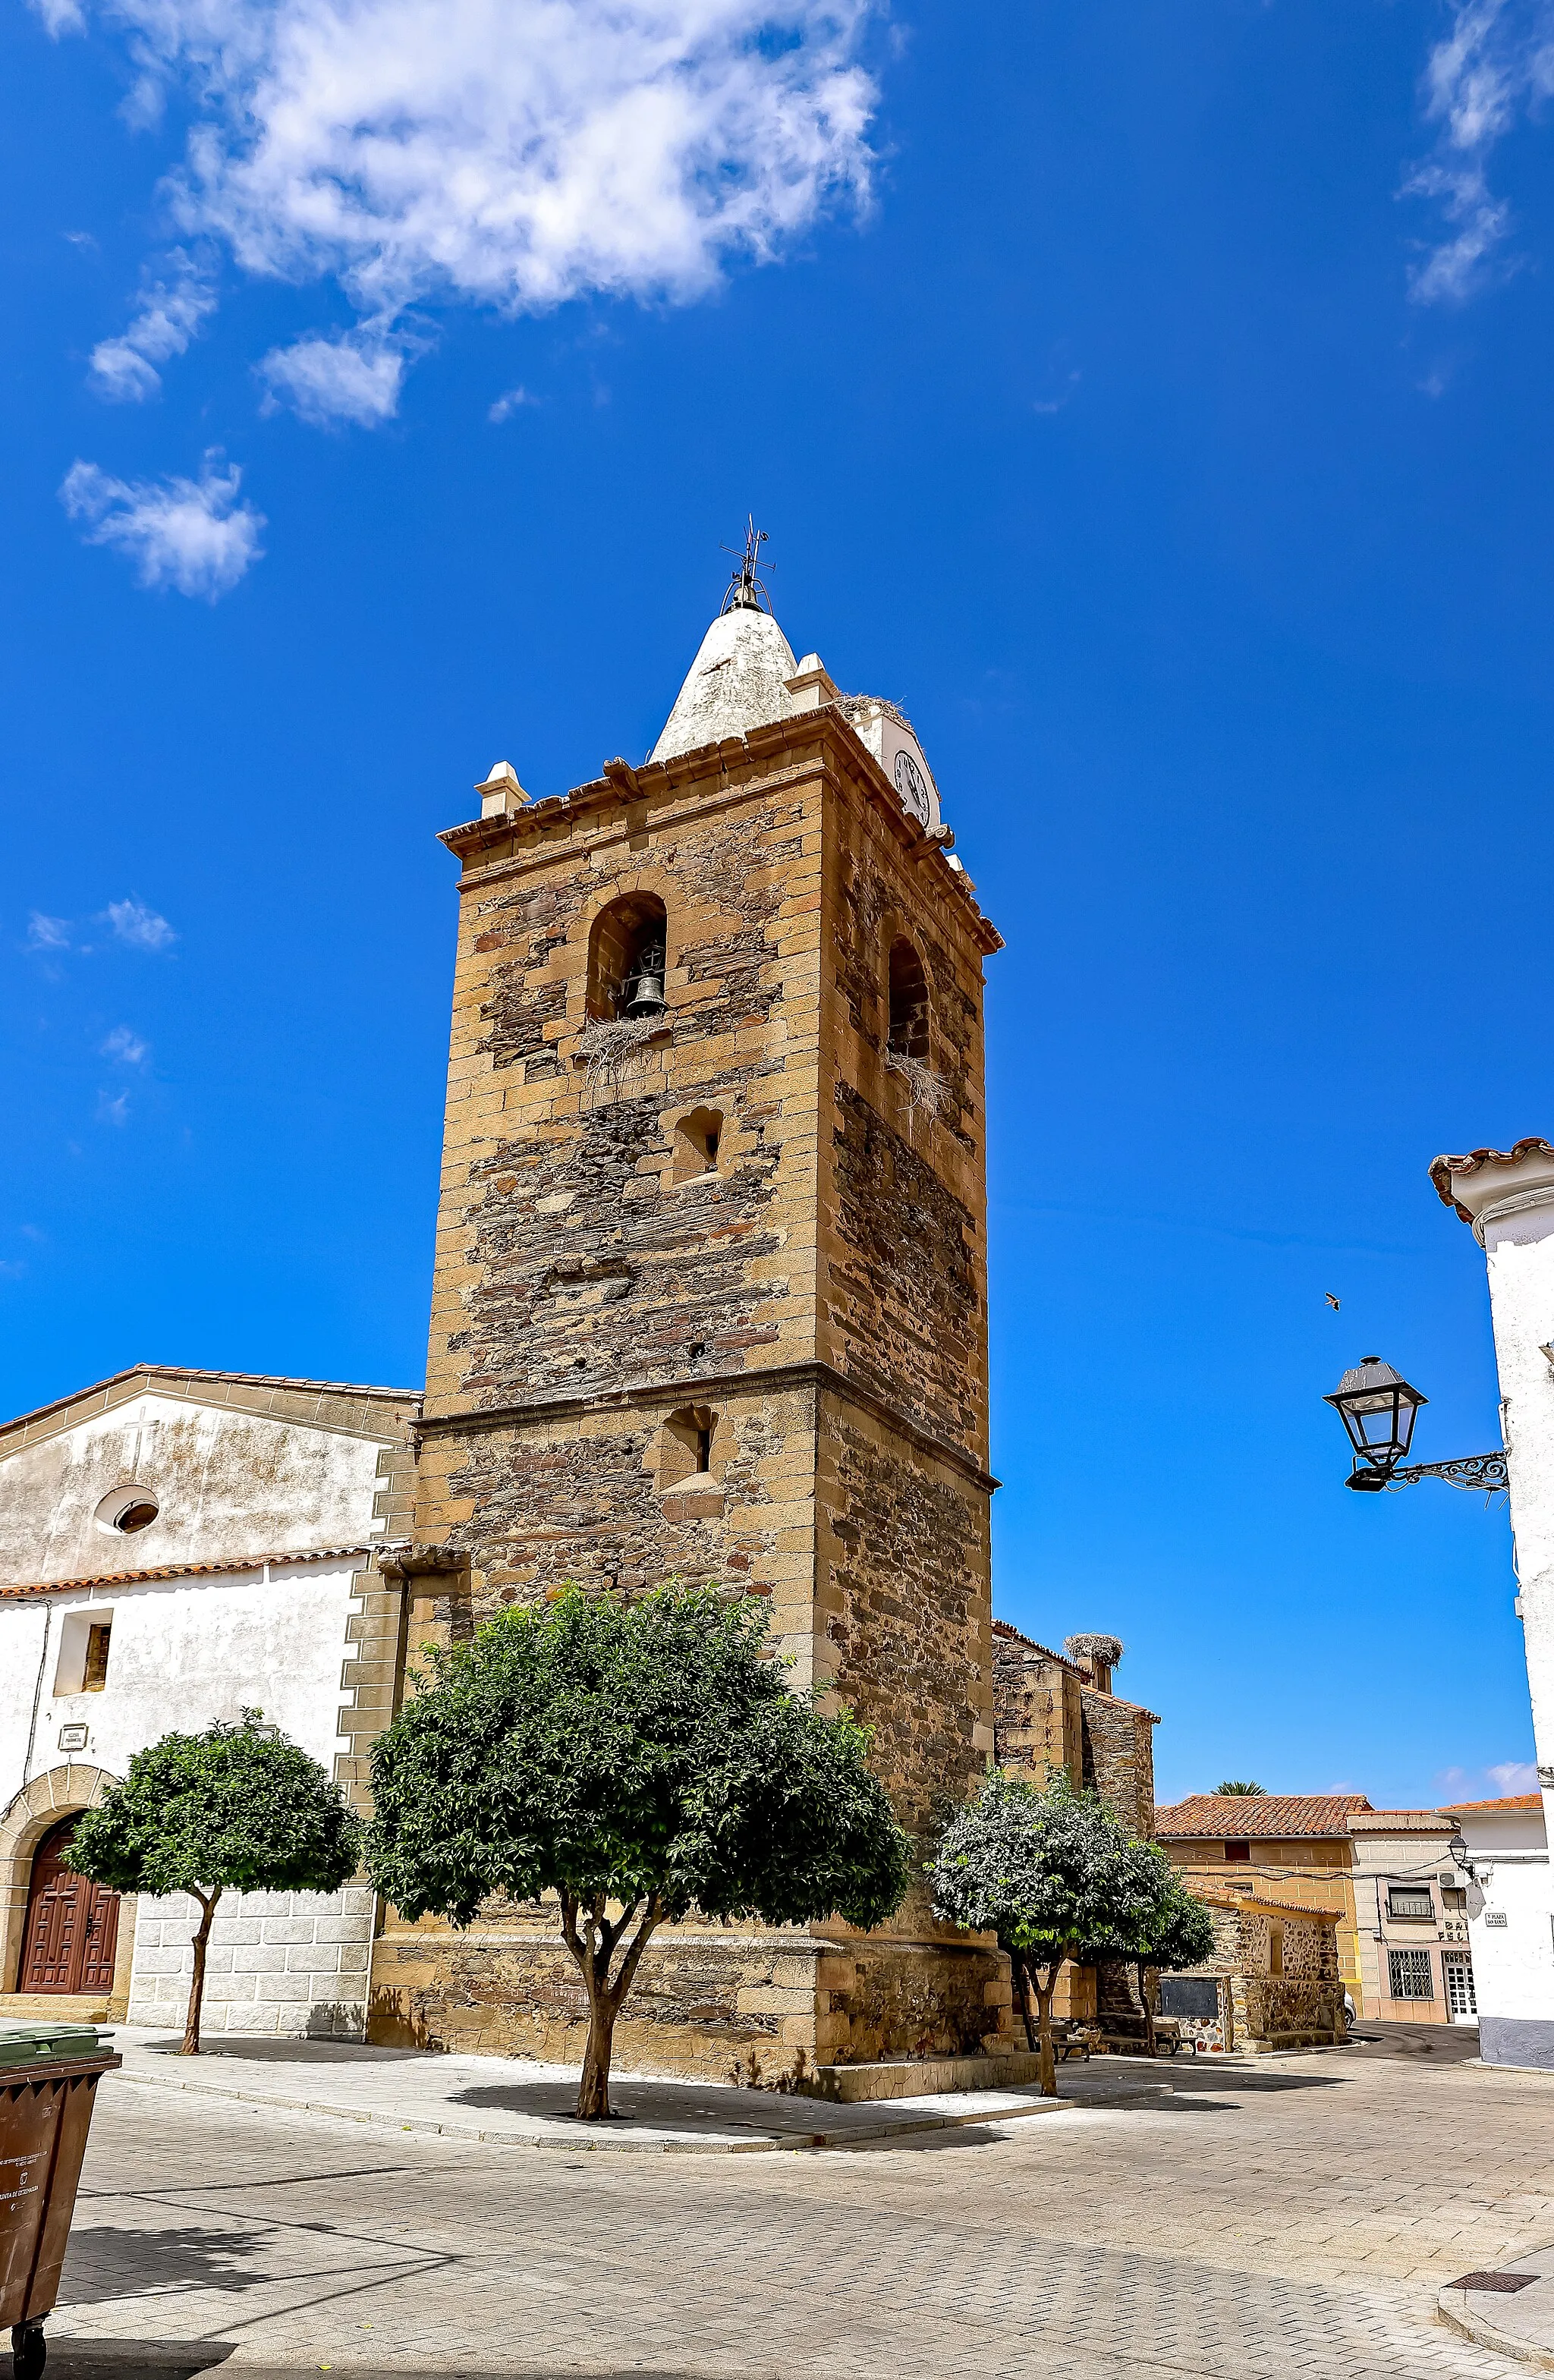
column 913, row 2078
column 704, row 2001
column 60, row 2008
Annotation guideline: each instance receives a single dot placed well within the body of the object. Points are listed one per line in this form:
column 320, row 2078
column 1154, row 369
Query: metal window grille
column 1409, row 1976
column 1410, row 1901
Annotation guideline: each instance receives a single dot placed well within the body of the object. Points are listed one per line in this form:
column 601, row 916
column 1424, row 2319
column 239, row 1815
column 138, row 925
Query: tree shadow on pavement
column 106, row 2260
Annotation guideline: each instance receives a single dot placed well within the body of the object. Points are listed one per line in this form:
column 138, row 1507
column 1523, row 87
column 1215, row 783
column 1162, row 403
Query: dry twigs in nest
column 924, row 1089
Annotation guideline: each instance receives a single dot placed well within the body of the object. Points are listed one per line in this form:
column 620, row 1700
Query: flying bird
column 1331, row 1299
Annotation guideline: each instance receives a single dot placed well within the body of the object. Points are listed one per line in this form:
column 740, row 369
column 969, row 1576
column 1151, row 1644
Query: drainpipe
column 37, row 1698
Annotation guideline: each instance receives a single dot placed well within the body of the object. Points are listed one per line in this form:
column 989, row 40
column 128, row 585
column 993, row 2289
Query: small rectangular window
column 1238, row 1851
column 94, row 1668
column 1410, row 1975
column 1410, row 1901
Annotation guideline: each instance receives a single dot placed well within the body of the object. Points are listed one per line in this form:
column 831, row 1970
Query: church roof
column 735, row 683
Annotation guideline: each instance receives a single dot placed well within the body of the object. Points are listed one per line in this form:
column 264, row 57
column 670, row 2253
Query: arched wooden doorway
column 72, row 1926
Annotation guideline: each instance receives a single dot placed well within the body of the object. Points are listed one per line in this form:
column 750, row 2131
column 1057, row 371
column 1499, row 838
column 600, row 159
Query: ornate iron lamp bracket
column 1486, row 1471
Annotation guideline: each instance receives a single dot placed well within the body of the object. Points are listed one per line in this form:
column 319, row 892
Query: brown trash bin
column 48, row 2082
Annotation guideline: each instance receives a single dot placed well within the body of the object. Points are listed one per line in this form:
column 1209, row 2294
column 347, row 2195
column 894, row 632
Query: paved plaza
column 1294, row 2216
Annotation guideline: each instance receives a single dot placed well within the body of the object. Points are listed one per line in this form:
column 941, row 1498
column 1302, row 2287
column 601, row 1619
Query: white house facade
column 1508, row 1196
column 176, row 1547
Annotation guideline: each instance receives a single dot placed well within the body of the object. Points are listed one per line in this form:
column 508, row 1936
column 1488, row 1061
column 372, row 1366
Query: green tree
column 240, row 1808
column 645, row 1759
column 1045, row 1869
column 1169, row 1926
column 1237, row 1785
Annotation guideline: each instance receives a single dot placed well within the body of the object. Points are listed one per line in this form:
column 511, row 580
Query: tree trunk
column 591, row 1938
column 1022, row 1977
column 1047, row 2082
column 593, row 2087
column 1150, row 2049
column 197, row 1985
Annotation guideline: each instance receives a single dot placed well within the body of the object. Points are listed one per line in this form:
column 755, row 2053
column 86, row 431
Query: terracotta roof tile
column 1507, row 1802
column 185, row 1569
column 1444, row 1168
column 1256, row 1817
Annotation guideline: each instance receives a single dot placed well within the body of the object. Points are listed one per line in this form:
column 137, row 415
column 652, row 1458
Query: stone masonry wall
column 283, row 1963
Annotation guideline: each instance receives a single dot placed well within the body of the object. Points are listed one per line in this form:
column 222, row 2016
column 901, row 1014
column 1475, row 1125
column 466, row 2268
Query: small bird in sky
column 1331, row 1299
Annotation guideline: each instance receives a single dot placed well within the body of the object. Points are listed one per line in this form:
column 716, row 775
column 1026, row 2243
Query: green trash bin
column 48, row 2085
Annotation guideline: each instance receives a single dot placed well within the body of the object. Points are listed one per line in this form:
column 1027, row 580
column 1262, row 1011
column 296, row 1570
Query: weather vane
column 746, row 592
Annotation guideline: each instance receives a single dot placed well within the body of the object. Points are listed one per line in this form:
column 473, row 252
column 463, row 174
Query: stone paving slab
column 1295, row 2227
column 1520, row 2324
column 519, row 2103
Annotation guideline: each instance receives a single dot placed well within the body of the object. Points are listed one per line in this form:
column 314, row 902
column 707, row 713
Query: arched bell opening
column 908, row 1031
column 626, row 958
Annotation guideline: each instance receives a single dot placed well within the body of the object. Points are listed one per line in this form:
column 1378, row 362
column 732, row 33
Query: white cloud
column 124, row 370
column 356, row 378
column 47, row 934
column 514, row 153
column 1514, row 1776
column 1495, row 62
column 191, row 534
column 138, row 926
column 126, row 1044
column 114, row 1109
column 510, row 403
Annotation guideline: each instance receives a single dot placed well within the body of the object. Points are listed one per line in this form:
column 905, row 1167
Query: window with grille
column 1409, row 1976
column 1410, row 1901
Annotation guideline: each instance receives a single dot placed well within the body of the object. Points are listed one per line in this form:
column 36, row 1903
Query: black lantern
column 1377, row 1407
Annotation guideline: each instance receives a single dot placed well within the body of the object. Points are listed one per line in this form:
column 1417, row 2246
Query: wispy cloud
column 354, row 378
column 189, row 534
column 140, row 927
column 513, row 153
column 113, row 1107
column 172, row 310
column 514, row 400
column 127, row 1045
column 47, row 934
column 1514, row 1776
column 1494, row 63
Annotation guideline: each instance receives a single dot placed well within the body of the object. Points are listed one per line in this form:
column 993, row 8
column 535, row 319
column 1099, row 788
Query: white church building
column 175, row 1546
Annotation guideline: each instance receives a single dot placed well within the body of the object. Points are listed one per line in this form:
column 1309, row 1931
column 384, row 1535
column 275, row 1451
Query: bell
column 645, row 990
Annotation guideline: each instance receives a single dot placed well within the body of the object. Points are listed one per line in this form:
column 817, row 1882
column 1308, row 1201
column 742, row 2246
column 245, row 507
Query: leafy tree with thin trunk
column 1240, row 1785
column 1170, row 1928
column 638, row 1761
column 1048, row 1870
column 240, row 1808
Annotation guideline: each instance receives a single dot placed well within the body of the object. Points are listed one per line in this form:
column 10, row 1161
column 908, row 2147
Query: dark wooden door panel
column 72, row 1926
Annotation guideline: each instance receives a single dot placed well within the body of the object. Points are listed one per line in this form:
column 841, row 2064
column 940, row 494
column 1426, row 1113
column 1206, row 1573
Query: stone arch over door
column 58, row 1793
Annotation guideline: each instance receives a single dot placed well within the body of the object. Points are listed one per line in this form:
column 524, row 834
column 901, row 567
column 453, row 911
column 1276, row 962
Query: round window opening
column 127, row 1512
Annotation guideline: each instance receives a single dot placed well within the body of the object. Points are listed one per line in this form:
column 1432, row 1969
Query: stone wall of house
column 1118, row 1757
column 1258, row 2009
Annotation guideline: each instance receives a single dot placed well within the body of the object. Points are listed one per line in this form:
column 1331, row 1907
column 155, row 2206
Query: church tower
column 710, row 1300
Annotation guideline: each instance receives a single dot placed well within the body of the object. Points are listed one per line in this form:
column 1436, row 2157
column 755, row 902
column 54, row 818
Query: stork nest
column 611, row 1044
column 924, row 1089
column 1107, row 1650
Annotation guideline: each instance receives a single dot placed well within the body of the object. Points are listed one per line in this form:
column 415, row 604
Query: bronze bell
column 646, row 991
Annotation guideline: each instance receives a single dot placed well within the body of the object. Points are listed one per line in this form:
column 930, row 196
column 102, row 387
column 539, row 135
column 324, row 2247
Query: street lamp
column 1377, row 1407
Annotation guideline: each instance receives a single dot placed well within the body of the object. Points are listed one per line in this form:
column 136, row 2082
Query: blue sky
column 1154, row 400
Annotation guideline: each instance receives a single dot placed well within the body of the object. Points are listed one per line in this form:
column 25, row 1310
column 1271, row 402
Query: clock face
column 911, row 784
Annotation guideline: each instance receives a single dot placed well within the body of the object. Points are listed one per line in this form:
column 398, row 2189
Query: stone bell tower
column 710, row 1299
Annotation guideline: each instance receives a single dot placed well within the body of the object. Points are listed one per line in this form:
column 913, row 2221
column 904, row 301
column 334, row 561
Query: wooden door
column 72, row 1926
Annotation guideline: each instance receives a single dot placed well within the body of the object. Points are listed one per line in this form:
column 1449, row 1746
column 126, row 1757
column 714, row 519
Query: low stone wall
column 1286, row 2012
column 283, row 1963
column 705, row 1999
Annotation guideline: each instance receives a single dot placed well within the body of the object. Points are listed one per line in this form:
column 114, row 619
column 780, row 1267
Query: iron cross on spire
column 746, row 592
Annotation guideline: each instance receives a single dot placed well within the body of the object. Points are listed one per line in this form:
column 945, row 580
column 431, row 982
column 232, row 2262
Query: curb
column 899, row 2129
column 1452, row 2308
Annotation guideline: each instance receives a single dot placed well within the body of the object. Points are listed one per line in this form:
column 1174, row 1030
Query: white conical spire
column 736, row 680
